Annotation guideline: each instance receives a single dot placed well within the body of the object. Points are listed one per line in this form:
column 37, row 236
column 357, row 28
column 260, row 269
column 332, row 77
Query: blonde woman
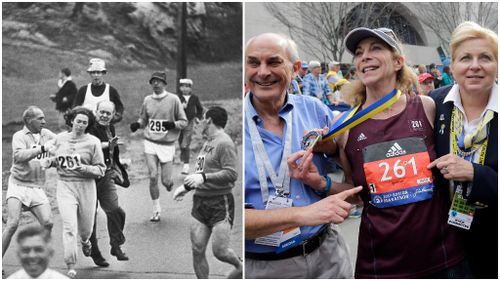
column 466, row 138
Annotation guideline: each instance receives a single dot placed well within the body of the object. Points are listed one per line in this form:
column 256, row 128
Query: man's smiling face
column 268, row 70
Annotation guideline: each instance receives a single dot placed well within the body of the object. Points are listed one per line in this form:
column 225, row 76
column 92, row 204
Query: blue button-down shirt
column 308, row 113
column 316, row 88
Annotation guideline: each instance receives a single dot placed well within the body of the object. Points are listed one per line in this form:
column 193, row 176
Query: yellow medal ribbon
column 352, row 119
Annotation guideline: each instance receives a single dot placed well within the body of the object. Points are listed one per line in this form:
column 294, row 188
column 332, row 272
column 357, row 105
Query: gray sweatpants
column 330, row 260
column 77, row 203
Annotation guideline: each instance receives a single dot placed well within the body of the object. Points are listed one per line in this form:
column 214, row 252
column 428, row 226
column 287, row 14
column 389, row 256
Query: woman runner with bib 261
column 79, row 160
column 403, row 231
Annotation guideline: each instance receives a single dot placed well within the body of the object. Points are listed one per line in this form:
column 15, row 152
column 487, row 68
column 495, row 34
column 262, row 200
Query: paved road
column 156, row 250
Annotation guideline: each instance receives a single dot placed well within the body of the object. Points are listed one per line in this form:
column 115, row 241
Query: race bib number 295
column 396, row 172
column 157, row 126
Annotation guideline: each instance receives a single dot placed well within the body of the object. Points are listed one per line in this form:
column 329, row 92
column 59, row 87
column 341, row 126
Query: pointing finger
column 346, row 193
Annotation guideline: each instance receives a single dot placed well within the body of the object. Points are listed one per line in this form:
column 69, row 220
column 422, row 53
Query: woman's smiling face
column 375, row 62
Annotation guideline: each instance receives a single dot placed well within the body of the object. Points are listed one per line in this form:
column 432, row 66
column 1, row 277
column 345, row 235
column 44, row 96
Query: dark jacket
column 481, row 241
column 68, row 91
column 194, row 107
column 100, row 132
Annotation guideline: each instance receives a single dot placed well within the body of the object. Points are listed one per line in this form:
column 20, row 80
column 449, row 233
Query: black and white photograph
column 122, row 140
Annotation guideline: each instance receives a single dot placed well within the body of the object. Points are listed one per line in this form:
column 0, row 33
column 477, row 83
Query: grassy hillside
column 127, row 33
column 30, row 76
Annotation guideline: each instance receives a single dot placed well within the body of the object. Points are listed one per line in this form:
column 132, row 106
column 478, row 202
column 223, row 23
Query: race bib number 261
column 396, row 172
column 69, row 162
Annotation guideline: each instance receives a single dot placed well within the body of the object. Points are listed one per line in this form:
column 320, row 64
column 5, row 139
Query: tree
column 443, row 17
column 322, row 26
column 77, row 10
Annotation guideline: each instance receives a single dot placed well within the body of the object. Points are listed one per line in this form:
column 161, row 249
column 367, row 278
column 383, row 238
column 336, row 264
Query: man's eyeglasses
column 184, row 85
column 97, row 72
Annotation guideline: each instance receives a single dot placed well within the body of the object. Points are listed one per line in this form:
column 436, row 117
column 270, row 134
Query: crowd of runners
column 86, row 156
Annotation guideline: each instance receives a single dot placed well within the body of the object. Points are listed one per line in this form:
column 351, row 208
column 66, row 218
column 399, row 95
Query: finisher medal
column 310, row 140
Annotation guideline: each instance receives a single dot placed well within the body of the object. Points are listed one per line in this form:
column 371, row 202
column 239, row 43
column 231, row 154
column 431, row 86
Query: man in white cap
column 96, row 91
column 194, row 112
column 162, row 118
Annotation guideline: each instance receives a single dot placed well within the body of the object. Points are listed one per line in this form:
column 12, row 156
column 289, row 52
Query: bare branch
column 443, row 17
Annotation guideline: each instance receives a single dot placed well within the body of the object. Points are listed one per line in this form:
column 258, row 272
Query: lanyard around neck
column 281, row 182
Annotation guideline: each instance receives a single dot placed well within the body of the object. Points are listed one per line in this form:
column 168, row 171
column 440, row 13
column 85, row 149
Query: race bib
column 396, row 172
column 69, row 162
column 157, row 126
column 200, row 163
column 40, row 156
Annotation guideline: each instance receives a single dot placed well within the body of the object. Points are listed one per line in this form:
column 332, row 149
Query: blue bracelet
column 328, row 186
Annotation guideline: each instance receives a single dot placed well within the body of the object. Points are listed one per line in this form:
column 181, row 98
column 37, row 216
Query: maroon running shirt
column 406, row 241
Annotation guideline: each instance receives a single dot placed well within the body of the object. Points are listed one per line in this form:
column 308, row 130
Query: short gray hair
column 29, row 113
column 313, row 64
column 105, row 101
column 288, row 44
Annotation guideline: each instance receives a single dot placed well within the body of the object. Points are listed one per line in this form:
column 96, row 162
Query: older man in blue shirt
column 316, row 85
column 288, row 225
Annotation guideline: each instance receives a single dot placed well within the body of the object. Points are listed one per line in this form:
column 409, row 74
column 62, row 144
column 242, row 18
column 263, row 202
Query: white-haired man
column 316, row 85
column 29, row 146
column 107, row 194
column 288, row 225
